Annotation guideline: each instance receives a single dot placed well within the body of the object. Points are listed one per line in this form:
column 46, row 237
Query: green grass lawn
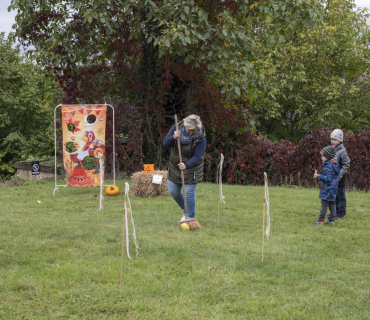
column 54, row 263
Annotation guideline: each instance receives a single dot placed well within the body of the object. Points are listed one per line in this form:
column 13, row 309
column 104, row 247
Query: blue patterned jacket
column 329, row 178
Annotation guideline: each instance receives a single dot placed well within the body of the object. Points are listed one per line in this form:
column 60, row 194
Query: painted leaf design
column 100, row 131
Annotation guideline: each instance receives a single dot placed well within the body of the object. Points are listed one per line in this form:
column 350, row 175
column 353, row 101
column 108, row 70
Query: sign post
column 35, row 167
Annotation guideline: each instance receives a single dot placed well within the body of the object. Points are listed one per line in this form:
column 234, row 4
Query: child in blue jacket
column 328, row 178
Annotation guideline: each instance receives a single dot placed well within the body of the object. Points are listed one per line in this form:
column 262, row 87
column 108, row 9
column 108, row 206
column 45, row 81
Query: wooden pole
column 182, row 172
column 219, row 191
column 101, row 194
column 263, row 227
column 123, row 240
column 102, row 223
column 219, row 199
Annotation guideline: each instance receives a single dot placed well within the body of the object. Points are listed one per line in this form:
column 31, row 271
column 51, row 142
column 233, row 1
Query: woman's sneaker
column 329, row 222
column 319, row 222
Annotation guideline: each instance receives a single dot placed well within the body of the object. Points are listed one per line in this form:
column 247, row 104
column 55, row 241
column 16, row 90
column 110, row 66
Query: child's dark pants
column 324, row 207
column 341, row 201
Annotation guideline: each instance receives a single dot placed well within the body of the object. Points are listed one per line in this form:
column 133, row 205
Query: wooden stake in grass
column 266, row 214
column 218, row 208
column 263, row 227
column 125, row 226
column 219, row 184
column 123, row 241
column 101, row 193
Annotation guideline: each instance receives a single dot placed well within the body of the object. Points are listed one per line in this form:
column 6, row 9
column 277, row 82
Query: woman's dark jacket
column 192, row 156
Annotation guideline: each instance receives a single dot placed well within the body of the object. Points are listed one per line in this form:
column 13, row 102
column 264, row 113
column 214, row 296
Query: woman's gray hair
column 192, row 122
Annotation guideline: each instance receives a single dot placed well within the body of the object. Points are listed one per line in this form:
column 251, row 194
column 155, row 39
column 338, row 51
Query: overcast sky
column 7, row 18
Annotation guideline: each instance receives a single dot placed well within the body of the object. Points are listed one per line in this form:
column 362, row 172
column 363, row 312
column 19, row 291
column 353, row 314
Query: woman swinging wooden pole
column 185, row 167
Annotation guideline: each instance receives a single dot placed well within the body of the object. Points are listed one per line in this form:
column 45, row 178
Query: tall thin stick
column 101, row 194
column 219, row 199
column 219, row 184
column 182, row 172
column 123, row 241
column 219, row 193
column 263, row 227
column 102, row 223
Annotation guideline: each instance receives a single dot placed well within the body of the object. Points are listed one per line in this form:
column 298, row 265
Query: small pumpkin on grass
column 112, row 190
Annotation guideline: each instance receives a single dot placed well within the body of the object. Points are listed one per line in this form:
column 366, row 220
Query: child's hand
column 315, row 175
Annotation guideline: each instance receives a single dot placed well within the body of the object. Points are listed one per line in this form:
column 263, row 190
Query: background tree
column 26, row 100
column 152, row 59
column 319, row 77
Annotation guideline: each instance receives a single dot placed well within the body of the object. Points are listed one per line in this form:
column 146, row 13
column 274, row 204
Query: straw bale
column 142, row 184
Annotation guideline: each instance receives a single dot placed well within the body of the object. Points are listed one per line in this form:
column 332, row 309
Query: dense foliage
column 319, row 77
column 152, row 59
column 246, row 67
column 26, row 99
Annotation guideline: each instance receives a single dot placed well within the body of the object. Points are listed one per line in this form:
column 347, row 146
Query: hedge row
column 288, row 163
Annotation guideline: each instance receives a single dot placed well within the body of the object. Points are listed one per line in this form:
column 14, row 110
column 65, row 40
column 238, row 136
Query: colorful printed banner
column 83, row 142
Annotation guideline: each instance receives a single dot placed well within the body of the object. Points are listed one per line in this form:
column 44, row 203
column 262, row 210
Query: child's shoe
column 329, row 222
column 319, row 222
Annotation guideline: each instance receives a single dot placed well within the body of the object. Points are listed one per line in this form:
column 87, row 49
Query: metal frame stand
column 55, row 143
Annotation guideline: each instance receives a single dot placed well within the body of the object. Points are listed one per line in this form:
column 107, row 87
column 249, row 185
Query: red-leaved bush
column 293, row 164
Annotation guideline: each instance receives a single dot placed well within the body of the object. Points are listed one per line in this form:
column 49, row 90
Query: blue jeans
column 175, row 190
column 340, row 201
